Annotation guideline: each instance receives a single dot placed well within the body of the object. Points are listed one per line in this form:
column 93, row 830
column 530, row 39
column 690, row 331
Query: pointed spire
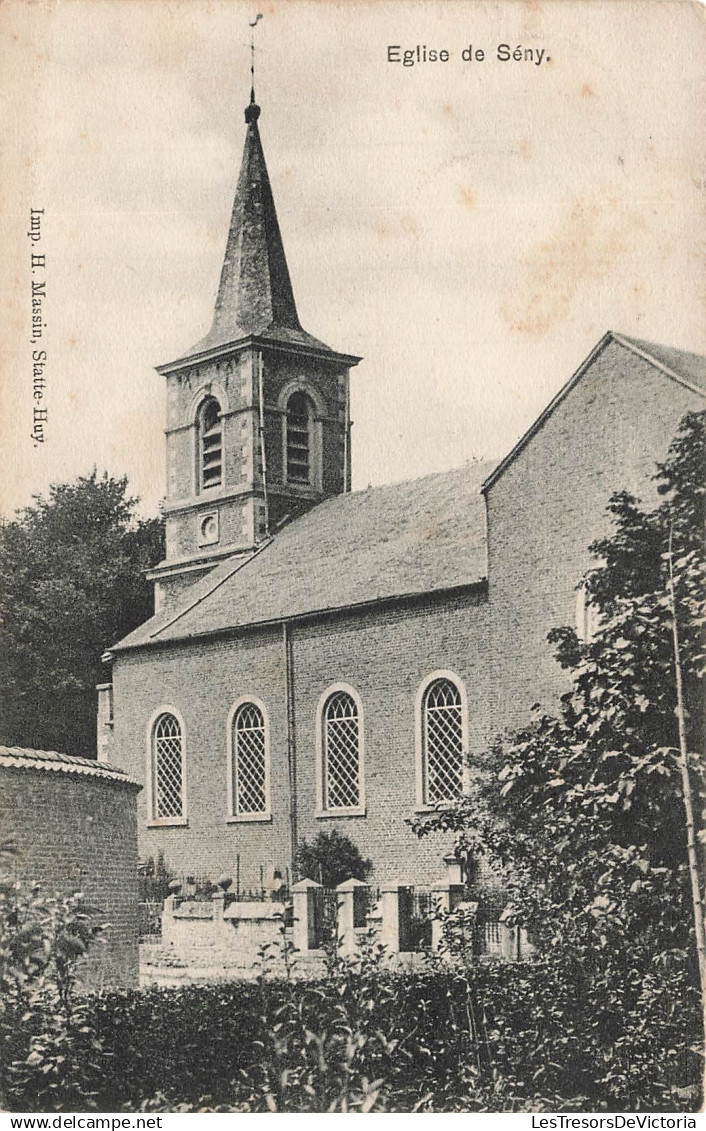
column 255, row 296
column 255, row 291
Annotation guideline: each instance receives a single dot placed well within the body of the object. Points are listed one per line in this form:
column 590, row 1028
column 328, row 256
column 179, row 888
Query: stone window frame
column 316, row 440
column 321, row 811
column 202, row 519
column 154, row 821
column 232, row 817
column 422, row 804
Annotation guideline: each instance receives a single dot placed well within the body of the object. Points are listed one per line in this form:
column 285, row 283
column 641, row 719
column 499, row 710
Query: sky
column 471, row 229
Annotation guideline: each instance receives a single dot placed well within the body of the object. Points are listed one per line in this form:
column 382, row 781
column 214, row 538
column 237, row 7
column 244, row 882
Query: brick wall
column 549, row 505
column 78, row 833
column 384, row 655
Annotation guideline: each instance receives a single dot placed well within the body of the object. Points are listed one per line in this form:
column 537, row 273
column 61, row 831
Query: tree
column 583, row 811
column 71, row 584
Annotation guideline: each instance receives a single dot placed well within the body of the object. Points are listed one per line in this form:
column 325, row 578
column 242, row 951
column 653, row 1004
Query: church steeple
column 255, row 295
column 255, row 291
column 258, row 416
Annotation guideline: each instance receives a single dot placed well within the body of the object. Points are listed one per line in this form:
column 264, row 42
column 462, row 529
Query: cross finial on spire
column 253, row 25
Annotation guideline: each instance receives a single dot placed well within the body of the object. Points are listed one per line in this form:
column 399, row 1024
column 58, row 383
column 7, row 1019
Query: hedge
column 491, row 1037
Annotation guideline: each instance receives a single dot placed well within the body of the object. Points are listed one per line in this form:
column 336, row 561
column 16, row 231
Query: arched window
column 299, row 425
column 250, row 785
column 443, row 731
column 167, row 794
column 341, row 753
column 210, row 429
column 587, row 616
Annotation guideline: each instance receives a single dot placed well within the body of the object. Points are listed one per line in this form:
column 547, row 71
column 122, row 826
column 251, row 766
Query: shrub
column 154, row 878
column 48, row 1049
column 482, row 1037
column 589, row 813
column 330, row 859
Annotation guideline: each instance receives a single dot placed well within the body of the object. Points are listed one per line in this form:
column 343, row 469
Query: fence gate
column 149, row 920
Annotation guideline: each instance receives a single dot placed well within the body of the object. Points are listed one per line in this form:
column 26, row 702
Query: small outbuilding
column 74, row 824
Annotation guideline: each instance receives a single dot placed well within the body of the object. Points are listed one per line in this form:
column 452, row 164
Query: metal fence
column 156, row 884
column 196, row 887
column 149, row 921
column 422, row 912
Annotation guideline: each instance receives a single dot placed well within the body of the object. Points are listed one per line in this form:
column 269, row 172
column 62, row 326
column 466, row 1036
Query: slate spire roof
column 255, row 295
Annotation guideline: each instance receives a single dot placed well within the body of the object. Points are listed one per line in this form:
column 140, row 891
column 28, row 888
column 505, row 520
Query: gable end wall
column 549, row 504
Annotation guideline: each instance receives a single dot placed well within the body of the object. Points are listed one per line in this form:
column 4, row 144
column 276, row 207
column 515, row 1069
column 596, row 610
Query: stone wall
column 79, row 833
column 230, row 935
column 217, row 933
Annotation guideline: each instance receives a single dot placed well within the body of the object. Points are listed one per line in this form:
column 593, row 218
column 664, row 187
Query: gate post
column 351, row 908
column 396, row 901
column 307, row 898
column 445, row 897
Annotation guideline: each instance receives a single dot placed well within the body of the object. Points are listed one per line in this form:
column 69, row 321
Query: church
column 326, row 659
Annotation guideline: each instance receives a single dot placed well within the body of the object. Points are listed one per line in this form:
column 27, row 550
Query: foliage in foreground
column 583, row 812
column 462, row 1037
column 71, row 584
column 491, row 1038
column 47, row 1045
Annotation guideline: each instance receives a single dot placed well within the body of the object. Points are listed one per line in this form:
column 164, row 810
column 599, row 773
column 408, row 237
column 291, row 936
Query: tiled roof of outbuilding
column 19, row 757
column 404, row 539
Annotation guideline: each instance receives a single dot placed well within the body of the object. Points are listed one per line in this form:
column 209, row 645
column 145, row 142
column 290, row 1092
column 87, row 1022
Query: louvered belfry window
column 168, row 771
column 249, row 761
column 341, row 752
column 442, row 722
column 299, row 418
column 211, row 430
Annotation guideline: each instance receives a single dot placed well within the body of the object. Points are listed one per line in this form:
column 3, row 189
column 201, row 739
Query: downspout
column 261, row 404
column 291, row 741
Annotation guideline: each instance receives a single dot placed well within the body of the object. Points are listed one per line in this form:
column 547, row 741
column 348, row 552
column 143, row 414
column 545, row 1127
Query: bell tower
column 258, row 418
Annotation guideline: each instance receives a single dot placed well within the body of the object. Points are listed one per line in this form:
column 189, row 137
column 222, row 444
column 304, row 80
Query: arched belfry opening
column 299, row 439
column 210, row 445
